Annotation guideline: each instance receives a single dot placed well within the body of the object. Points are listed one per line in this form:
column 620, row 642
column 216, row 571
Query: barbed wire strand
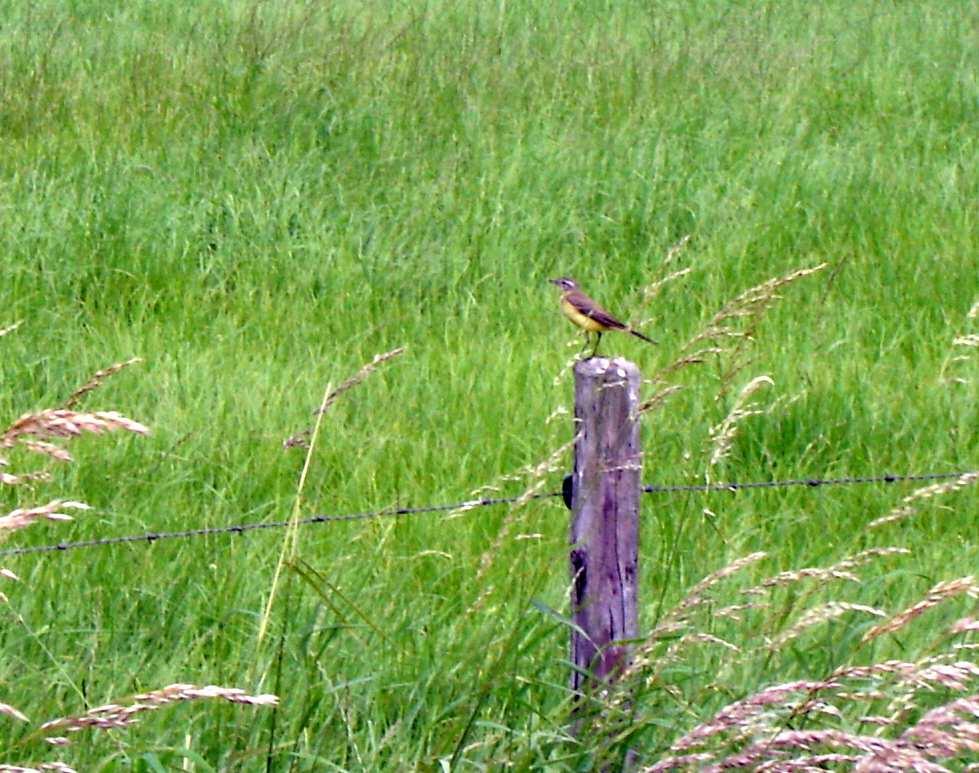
column 808, row 482
column 401, row 512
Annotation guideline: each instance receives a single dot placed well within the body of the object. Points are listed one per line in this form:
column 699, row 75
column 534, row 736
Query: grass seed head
column 21, row 517
column 63, row 423
column 938, row 594
column 907, row 507
column 97, row 380
column 302, row 438
column 10, row 328
column 114, row 715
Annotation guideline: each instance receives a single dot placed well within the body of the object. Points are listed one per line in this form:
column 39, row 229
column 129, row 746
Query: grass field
column 257, row 198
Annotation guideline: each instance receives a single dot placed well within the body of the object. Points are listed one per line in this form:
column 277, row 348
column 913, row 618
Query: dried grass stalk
column 674, row 251
column 938, row 594
column 97, row 380
column 651, row 290
column 734, row 611
column 838, row 571
column 301, row 439
column 57, row 453
column 18, row 519
column 964, row 339
column 698, row 594
column 723, row 434
column 359, row 376
column 704, row 638
column 10, row 328
column 944, row 732
column 657, row 399
column 877, row 753
column 738, row 319
column 681, row 762
column 820, row 614
column 952, row 676
column 727, row 332
column 964, row 625
column 907, row 506
column 537, row 474
column 62, row 423
column 737, row 715
column 811, row 763
column 676, row 621
column 115, row 716
column 31, row 430
column 752, row 302
column 9, row 479
column 7, row 710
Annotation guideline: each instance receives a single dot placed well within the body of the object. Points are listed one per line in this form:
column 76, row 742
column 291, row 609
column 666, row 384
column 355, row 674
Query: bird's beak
column 554, row 281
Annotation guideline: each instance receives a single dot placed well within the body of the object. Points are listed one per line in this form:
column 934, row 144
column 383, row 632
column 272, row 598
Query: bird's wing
column 589, row 308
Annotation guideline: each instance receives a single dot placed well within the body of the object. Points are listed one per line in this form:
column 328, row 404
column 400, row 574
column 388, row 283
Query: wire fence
column 808, row 482
column 403, row 512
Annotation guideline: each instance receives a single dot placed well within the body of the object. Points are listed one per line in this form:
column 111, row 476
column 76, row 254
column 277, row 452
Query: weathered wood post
column 606, row 487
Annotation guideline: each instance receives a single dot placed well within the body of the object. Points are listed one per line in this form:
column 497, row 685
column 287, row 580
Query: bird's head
column 565, row 283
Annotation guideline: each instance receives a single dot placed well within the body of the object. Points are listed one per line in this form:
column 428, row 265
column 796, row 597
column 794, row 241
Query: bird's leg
column 598, row 340
column 587, row 341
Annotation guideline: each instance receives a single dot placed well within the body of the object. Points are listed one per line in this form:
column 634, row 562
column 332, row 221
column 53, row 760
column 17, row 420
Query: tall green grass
column 258, row 198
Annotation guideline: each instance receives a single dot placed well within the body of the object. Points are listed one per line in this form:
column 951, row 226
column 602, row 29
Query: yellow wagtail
column 588, row 315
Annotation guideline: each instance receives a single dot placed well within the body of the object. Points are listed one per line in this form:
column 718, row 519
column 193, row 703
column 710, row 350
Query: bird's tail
column 637, row 334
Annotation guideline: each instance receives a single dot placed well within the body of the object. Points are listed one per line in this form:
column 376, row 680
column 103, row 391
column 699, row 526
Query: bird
column 588, row 315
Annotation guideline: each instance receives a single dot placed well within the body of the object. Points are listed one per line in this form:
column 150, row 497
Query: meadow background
column 257, row 198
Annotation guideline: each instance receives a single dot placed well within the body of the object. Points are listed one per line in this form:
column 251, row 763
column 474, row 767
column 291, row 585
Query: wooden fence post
column 605, row 518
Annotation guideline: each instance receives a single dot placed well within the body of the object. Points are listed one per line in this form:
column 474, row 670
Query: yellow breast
column 582, row 321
